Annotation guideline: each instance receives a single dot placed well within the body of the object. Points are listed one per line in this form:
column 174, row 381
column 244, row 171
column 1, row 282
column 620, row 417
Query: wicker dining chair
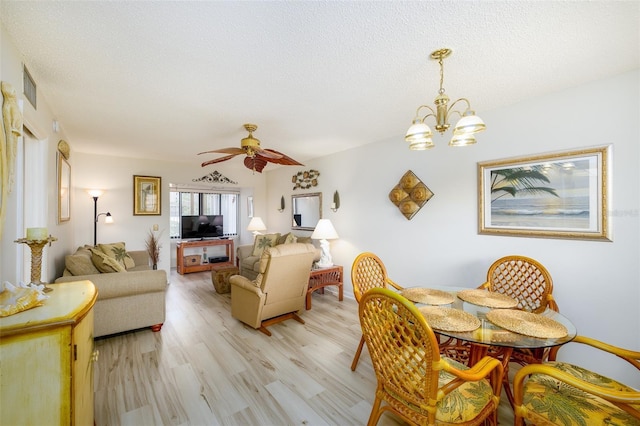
column 523, row 279
column 527, row 281
column 368, row 272
column 413, row 381
column 558, row 393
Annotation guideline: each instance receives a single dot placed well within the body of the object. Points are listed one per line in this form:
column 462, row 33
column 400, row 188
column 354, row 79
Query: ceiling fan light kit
column 256, row 157
column 419, row 134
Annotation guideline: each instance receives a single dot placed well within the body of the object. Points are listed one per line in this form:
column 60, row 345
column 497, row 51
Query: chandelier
column 419, row 134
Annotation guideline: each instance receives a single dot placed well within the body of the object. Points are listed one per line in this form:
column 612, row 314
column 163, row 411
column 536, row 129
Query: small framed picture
column 555, row 195
column 146, row 195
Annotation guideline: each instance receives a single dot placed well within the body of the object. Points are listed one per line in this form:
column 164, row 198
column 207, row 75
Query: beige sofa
column 248, row 256
column 126, row 300
column 280, row 289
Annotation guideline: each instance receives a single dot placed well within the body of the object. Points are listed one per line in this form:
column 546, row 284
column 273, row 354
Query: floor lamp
column 95, row 194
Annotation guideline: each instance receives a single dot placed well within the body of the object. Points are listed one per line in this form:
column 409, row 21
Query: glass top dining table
column 494, row 335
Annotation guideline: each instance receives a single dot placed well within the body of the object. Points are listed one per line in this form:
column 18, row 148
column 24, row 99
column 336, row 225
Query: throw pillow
column 80, row 263
column 287, row 238
column 290, row 239
column 105, row 263
column 118, row 252
column 304, row 240
column 263, row 241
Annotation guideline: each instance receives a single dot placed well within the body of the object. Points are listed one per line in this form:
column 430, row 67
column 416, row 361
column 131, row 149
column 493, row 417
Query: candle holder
column 36, row 247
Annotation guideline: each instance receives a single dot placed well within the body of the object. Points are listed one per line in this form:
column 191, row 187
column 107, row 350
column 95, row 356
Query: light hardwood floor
column 207, row 368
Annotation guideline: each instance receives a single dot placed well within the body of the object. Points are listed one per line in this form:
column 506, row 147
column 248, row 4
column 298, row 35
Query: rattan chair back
column 403, row 350
column 524, row 279
column 367, row 272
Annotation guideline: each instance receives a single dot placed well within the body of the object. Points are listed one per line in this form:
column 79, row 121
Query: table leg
column 479, row 351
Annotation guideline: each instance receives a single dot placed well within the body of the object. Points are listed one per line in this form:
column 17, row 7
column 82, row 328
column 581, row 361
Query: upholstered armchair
column 279, row 290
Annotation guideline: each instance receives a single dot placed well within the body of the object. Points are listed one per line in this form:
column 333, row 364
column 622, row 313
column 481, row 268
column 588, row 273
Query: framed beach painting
column 146, row 195
column 554, row 195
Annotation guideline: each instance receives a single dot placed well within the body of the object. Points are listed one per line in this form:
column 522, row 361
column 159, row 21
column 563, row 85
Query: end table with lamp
column 324, row 272
column 324, row 277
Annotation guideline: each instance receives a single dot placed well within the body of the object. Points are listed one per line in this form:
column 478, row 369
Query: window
column 189, row 202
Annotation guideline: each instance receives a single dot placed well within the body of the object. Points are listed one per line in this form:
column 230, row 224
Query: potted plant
column 153, row 248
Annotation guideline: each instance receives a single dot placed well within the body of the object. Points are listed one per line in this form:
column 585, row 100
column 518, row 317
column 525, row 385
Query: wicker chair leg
column 374, row 417
column 356, row 357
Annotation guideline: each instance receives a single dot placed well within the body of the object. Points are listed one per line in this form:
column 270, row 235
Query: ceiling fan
column 256, row 157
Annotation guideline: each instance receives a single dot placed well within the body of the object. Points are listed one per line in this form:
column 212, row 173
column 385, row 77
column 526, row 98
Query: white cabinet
column 46, row 360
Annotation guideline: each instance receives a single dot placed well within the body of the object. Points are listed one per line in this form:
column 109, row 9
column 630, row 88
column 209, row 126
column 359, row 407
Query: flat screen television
column 202, row 226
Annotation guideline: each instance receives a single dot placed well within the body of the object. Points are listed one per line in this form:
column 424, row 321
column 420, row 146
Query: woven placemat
column 449, row 319
column 527, row 323
column 427, row 296
column 490, row 299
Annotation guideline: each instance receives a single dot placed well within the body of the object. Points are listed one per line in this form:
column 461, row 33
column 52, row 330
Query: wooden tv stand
column 187, row 269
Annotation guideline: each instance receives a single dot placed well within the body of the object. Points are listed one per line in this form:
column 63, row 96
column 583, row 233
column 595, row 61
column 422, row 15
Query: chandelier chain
column 441, row 91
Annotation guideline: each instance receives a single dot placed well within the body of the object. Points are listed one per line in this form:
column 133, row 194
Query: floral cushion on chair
column 462, row 404
column 557, row 402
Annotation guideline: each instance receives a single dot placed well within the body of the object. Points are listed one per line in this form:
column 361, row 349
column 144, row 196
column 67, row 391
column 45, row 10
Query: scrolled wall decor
column 305, row 179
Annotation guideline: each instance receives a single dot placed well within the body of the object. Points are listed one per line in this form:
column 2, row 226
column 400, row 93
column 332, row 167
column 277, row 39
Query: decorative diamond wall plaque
column 410, row 194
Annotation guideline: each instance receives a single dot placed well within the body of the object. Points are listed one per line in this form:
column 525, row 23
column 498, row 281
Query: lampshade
column 469, row 123
column 421, row 145
column 324, row 231
column 418, row 132
column 108, row 218
column 95, row 192
column 256, row 224
column 463, row 139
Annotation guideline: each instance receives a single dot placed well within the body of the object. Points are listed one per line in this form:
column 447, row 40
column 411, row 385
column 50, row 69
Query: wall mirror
column 306, row 210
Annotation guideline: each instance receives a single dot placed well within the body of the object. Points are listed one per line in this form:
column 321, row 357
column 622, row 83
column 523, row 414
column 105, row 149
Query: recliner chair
column 279, row 290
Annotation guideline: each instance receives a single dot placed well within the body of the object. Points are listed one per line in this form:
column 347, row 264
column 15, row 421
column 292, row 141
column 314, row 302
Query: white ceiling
column 166, row 80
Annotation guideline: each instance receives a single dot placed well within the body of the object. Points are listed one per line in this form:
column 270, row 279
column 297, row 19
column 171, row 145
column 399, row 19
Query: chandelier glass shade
column 420, row 135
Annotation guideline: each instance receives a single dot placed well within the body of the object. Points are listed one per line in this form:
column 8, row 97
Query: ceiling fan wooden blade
column 218, row 160
column 285, row 160
column 256, row 163
column 231, row 150
column 267, row 153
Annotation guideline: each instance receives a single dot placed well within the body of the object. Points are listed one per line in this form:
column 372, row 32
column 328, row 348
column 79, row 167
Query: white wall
column 597, row 284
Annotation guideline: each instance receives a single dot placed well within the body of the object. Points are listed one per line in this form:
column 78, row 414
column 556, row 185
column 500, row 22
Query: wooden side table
column 323, row 277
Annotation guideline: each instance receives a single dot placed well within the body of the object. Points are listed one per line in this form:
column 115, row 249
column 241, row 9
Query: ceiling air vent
column 29, row 87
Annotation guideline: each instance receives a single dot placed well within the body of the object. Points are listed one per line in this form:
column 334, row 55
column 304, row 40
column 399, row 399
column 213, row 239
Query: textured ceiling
column 167, row 80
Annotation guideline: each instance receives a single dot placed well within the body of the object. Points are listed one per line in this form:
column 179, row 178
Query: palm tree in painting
column 519, row 180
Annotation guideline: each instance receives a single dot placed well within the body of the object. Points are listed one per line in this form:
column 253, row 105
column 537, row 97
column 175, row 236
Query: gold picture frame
column 553, row 195
column 64, row 189
column 146, row 195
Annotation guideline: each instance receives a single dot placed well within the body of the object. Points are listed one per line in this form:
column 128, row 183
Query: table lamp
column 256, row 225
column 324, row 231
